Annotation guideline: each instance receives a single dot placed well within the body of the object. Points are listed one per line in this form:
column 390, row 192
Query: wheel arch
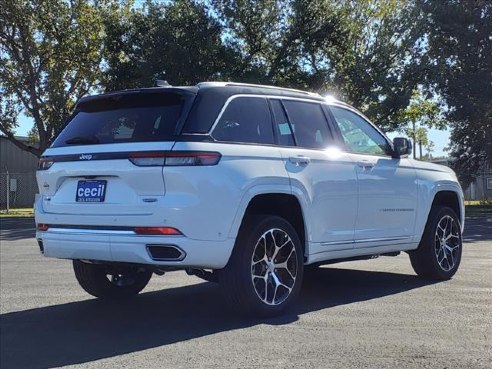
column 280, row 203
column 450, row 199
column 450, row 196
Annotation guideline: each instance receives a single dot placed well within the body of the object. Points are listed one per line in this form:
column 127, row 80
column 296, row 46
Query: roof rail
column 204, row 84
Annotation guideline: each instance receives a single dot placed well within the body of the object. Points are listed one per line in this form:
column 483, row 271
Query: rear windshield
column 124, row 118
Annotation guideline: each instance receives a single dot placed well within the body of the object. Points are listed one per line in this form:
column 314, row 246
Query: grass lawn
column 17, row 213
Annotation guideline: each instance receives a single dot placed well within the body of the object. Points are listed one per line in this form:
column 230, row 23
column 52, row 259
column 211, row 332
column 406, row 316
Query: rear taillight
column 45, row 163
column 43, row 227
column 175, row 158
column 157, row 231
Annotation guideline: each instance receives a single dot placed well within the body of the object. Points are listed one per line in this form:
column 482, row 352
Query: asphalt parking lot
column 367, row 314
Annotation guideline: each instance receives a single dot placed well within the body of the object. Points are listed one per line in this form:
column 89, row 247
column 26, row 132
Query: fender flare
column 266, row 190
column 429, row 197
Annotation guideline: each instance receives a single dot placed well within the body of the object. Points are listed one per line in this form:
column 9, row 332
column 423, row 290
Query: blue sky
column 440, row 138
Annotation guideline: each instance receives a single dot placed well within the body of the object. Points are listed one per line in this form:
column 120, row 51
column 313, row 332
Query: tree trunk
column 414, row 139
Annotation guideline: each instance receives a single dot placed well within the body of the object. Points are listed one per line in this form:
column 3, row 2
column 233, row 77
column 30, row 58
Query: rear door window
column 309, row 124
column 245, row 119
column 124, row 118
column 281, row 124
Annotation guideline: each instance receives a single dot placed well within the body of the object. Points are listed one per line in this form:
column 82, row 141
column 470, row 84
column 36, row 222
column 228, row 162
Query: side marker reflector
column 157, row 231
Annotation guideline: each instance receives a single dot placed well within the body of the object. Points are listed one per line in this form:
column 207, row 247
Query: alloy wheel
column 447, row 243
column 274, row 267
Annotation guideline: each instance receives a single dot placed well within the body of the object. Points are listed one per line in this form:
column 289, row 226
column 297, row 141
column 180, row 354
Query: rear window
column 124, row 118
column 308, row 123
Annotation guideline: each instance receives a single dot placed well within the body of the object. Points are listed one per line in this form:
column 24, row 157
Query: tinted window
column 246, row 119
column 282, row 125
column 359, row 136
column 123, row 118
column 308, row 123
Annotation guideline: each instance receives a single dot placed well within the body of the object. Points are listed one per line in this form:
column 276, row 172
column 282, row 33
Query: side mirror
column 402, row 146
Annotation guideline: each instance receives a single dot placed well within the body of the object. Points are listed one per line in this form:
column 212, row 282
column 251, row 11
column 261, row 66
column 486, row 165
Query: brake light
column 157, row 231
column 43, row 227
column 45, row 163
column 175, row 158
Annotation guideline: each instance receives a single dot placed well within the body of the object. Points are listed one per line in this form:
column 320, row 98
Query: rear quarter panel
column 214, row 198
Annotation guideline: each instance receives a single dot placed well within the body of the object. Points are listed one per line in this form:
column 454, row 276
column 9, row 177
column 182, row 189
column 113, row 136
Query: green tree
column 429, row 147
column 459, row 52
column 364, row 51
column 420, row 114
column 176, row 41
column 50, row 55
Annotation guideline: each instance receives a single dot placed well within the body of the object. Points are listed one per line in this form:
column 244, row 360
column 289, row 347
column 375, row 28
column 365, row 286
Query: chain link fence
column 17, row 190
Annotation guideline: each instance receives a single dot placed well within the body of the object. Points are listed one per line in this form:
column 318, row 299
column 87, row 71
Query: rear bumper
column 115, row 246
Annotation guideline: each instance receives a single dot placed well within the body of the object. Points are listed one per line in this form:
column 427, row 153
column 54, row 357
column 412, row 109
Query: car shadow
column 81, row 332
column 13, row 229
column 478, row 229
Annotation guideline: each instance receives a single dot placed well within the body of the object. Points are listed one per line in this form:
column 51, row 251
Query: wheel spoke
column 278, row 248
column 449, row 236
column 446, row 226
column 452, row 260
column 443, row 256
column 263, row 259
column 284, row 263
column 265, row 281
column 441, row 229
column 278, row 283
column 451, row 248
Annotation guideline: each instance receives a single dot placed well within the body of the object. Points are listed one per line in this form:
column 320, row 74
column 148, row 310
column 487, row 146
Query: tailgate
column 106, row 184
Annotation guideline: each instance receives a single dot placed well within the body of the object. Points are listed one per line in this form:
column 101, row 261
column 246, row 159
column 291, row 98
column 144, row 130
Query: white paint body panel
column 387, row 198
column 327, row 186
column 345, row 207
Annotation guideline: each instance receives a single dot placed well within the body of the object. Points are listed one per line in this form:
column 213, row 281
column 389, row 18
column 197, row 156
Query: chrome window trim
column 326, row 103
column 233, row 97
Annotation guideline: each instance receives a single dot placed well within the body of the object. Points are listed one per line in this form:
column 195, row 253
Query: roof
column 206, row 99
column 228, row 88
column 259, row 88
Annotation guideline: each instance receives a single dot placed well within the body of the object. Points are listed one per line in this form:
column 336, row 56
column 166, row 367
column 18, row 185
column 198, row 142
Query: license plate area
column 92, row 191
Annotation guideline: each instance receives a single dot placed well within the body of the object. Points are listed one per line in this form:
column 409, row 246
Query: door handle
column 365, row 165
column 299, row 160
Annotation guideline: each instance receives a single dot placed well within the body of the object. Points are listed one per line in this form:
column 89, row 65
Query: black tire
column 272, row 294
column 434, row 259
column 110, row 281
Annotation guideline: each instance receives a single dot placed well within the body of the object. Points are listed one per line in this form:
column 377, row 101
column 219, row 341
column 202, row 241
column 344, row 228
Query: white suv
column 240, row 184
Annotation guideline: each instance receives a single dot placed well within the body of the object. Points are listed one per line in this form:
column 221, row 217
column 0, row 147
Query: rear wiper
column 88, row 140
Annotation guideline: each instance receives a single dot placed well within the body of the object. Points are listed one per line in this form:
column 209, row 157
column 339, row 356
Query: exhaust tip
column 160, row 252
